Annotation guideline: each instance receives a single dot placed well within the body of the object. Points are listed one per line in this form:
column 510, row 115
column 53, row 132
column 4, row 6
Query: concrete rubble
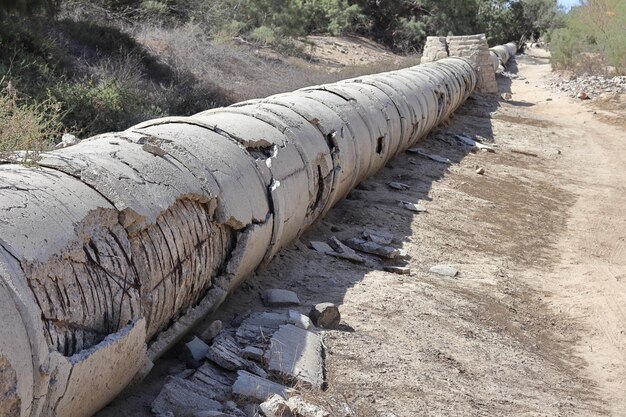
column 258, row 362
column 591, row 86
column 445, row 270
column 280, row 298
column 115, row 247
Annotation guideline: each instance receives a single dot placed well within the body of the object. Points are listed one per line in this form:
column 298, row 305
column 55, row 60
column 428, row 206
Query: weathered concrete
column 111, row 249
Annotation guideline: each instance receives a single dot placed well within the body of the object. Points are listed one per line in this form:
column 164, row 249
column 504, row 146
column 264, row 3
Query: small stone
column 402, row 270
column 445, row 270
column 299, row 320
column 325, row 315
column 213, row 330
column 399, row 186
column 480, row 171
column 280, row 298
column 374, row 248
column 548, row 99
column 251, row 352
column 194, row 352
column 276, row 406
column 416, row 208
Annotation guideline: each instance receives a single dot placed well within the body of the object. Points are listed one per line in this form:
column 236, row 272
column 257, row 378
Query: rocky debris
column 373, row 248
column 325, row 315
column 210, row 332
column 280, row 298
column 153, row 149
column 401, row 270
column 467, row 141
column 380, row 237
column 480, row 171
column 253, row 353
column 326, row 249
column 184, row 398
column 215, row 380
column 226, row 353
column 299, row 320
column 590, row 86
column 276, row 406
column 270, row 351
column 434, row 157
column 296, row 355
column 302, row 408
column 253, row 387
column 194, row 352
column 416, row 208
column 445, row 270
column 399, row 186
column 345, row 251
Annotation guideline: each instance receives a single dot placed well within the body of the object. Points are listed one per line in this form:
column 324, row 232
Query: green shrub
column 263, row 34
column 26, row 126
column 594, row 38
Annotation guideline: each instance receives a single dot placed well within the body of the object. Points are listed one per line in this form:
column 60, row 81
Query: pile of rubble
column 252, row 367
column 591, row 86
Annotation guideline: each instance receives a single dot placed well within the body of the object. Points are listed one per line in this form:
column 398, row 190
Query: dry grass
column 31, row 128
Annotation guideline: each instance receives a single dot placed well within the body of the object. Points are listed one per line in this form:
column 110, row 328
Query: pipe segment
column 501, row 54
column 111, row 249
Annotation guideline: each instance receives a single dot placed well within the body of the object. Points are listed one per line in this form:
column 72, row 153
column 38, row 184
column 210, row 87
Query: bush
column 28, row 127
column 593, row 38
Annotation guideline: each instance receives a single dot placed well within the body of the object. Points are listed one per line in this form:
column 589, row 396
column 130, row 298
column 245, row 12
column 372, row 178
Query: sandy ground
column 535, row 323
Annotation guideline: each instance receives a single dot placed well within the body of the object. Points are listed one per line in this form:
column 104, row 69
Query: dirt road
column 534, row 324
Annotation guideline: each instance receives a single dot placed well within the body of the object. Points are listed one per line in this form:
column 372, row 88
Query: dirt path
column 589, row 283
column 534, row 323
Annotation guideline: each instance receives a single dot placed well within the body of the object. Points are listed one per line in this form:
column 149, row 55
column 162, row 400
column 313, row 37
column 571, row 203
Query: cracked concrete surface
column 111, row 249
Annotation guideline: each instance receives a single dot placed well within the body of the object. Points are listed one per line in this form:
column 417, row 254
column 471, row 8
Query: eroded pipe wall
column 110, row 249
column 501, row 54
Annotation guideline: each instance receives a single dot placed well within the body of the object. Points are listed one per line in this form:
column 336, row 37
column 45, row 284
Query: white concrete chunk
column 296, row 354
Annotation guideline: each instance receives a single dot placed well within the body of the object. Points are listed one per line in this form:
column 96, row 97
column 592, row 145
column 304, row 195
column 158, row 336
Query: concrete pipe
column 501, row 54
column 111, row 249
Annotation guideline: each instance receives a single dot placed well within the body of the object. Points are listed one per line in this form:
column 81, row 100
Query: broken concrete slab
column 213, row 380
column 401, row 270
column 256, row 388
column 303, row 408
column 184, row 398
column 295, row 354
column 226, row 353
column 344, row 251
column 194, row 352
column 374, row 248
column 253, row 353
column 326, row 249
column 276, row 406
column 280, row 298
column 299, row 320
column 445, row 270
column 325, row 315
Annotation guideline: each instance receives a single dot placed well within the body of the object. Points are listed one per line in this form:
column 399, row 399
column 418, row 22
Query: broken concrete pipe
column 501, row 54
column 112, row 248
